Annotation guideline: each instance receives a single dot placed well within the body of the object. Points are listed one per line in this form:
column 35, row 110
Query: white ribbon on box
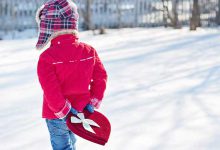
column 85, row 122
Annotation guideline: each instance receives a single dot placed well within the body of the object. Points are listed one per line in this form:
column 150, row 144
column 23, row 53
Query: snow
column 163, row 91
column 14, row 34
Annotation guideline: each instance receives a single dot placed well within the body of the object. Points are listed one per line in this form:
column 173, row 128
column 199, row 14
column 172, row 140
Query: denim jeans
column 60, row 136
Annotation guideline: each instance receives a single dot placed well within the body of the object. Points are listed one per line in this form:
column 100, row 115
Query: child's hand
column 90, row 108
column 73, row 111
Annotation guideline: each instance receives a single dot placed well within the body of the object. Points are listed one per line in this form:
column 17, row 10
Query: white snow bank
column 163, row 91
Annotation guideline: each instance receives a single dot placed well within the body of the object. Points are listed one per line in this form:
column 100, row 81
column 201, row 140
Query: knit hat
column 54, row 18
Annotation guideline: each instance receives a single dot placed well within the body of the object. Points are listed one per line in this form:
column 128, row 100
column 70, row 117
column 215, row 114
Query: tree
column 173, row 15
column 86, row 14
column 195, row 20
column 119, row 12
column 175, row 21
column 218, row 14
column 136, row 13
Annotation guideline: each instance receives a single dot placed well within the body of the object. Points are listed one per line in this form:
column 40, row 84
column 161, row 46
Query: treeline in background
column 100, row 14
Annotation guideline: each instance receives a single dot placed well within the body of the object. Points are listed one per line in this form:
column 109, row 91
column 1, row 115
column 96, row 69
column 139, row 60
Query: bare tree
column 165, row 13
column 105, row 10
column 118, row 5
column 86, row 14
column 195, row 19
column 87, row 17
column 172, row 16
column 136, row 13
column 175, row 21
column 218, row 14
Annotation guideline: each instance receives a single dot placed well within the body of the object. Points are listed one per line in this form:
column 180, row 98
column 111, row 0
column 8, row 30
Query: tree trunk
column 171, row 15
column 176, row 24
column 218, row 14
column 195, row 19
column 165, row 14
column 136, row 14
column 119, row 13
column 105, row 11
column 87, row 15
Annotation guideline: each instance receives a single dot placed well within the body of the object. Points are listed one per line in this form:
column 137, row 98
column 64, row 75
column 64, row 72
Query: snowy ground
column 163, row 91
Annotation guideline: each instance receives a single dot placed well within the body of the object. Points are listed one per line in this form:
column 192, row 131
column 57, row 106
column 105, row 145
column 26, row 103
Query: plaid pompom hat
column 54, row 18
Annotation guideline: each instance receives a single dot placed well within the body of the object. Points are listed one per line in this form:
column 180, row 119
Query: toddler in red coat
column 70, row 72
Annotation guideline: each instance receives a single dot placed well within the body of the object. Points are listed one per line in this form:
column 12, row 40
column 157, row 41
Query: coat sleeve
column 98, row 83
column 51, row 88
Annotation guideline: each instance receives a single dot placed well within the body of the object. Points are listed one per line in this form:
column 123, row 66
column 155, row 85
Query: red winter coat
column 70, row 74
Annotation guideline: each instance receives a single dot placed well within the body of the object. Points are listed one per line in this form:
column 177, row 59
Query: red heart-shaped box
column 101, row 134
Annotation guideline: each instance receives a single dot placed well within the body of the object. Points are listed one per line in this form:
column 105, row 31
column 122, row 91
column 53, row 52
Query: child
column 70, row 72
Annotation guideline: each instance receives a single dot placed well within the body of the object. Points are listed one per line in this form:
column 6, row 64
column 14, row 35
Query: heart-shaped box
column 97, row 122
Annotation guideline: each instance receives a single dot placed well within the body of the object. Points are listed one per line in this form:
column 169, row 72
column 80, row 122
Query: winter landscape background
column 19, row 15
column 163, row 91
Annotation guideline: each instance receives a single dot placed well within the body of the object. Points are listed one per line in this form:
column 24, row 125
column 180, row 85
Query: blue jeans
column 60, row 136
